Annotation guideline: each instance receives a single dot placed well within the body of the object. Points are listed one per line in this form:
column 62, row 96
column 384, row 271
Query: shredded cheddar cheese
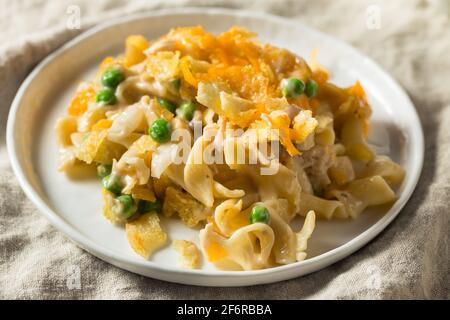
column 187, row 74
column 102, row 124
column 79, row 103
column 216, row 252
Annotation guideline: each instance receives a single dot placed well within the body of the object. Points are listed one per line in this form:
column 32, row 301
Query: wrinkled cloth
column 409, row 259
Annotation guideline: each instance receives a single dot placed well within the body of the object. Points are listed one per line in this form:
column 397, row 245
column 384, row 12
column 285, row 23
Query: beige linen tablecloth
column 410, row 259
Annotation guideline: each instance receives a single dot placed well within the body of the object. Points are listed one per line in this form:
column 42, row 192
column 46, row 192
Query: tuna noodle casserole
column 176, row 127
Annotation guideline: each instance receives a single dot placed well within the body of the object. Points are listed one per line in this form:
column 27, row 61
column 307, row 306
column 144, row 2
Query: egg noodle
column 236, row 138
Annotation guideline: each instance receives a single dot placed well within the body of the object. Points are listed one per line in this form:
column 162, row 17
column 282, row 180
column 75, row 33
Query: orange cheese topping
column 216, row 252
column 79, row 103
column 245, row 67
column 187, row 74
column 102, row 124
column 358, row 91
column 362, row 109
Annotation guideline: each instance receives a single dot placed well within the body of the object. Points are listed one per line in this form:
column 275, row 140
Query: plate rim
column 315, row 263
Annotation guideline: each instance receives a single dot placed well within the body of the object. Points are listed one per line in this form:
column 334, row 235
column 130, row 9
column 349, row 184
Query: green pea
column 103, row 170
column 106, row 96
column 176, row 84
column 292, row 87
column 112, row 183
column 186, row 110
column 160, row 130
column 167, row 104
column 150, row 206
column 259, row 214
column 112, row 77
column 311, row 88
column 124, row 206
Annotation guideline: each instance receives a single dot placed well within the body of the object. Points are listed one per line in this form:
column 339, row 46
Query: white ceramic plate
column 74, row 206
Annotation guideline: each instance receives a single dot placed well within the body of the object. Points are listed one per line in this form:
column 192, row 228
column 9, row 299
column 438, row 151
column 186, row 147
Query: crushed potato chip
column 108, row 198
column 143, row 145
column 160, row 185
column 190, row 210
column 143, row 192
column 189, row 254
column 164, row 65
column 96, row 147
column 145, row 234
